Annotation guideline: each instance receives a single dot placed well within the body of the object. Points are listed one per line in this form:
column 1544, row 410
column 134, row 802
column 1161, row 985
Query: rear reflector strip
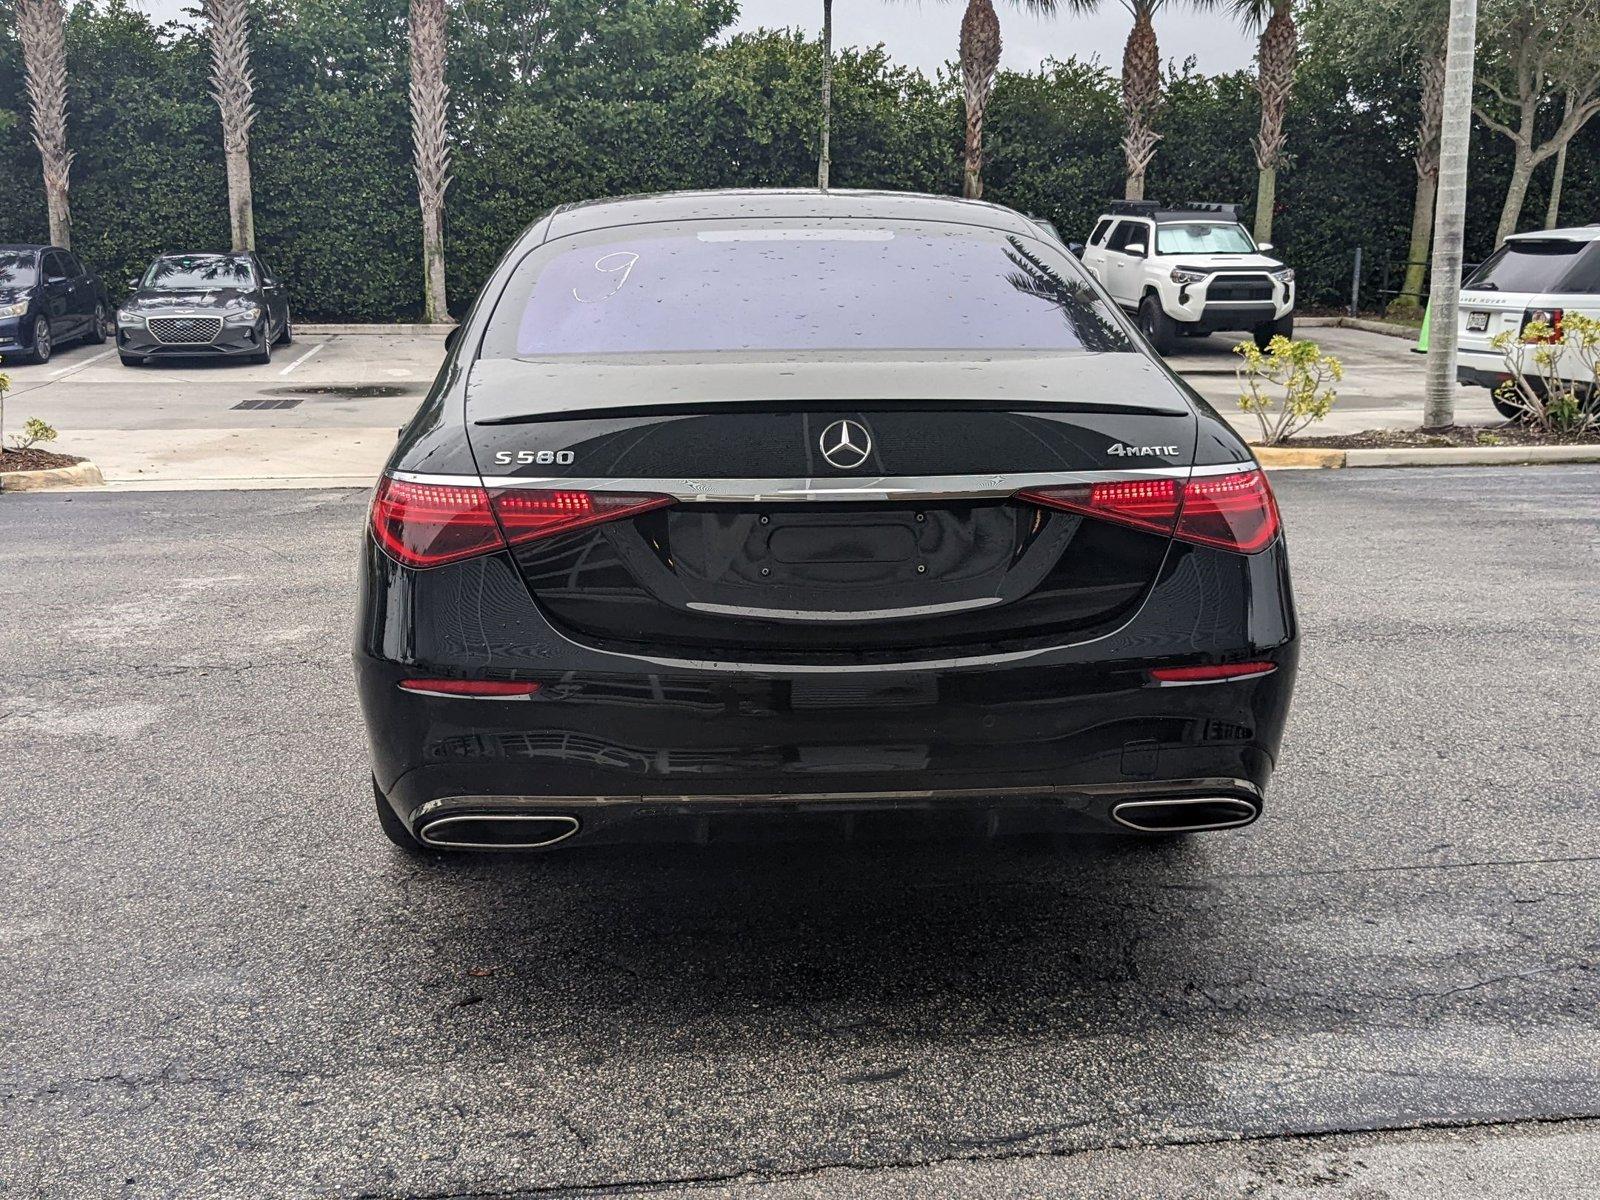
column 1181, row 676
column 471, row 689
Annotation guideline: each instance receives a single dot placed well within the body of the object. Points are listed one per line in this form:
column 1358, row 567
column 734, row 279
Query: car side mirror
column 1076, row 248
column 1264, row 247
column 451, row 338
column 133, row 285
column 1135, row 249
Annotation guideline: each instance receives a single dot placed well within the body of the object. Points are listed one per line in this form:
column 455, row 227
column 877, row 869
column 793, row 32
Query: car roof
column 1576, row 233
column 772, row 203
column 203, row 254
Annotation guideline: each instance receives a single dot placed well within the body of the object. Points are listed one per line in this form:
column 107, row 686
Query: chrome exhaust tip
column 1186, row 815
column 498, row 831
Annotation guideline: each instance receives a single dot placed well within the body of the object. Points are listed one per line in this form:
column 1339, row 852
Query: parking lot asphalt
column 325, row 412
column 216, row 978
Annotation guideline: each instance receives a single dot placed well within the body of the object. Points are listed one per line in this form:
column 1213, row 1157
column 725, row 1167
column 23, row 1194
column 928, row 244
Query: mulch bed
column 1456, row 435
column 35, row 460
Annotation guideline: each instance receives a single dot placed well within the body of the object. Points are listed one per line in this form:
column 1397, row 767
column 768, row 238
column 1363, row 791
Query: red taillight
column 430, row 524
column 526, row 514
column 1213, row 674
column 1232, row 512
column 480, row 689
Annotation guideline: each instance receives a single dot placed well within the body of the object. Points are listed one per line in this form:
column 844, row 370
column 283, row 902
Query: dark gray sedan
column 204, row 306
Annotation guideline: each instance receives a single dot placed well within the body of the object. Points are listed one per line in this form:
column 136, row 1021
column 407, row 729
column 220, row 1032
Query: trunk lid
column 878, row 528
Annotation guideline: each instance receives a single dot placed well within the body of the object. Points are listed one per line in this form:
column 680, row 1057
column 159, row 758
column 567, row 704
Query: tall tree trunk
column 823, row 162
column 233, row 88
column 1516, row 192
column 42, row 27
column 1552, row 212
column 1274, row 82
column 1431, row 111
column 1141, row 97
column 430, row 146
column 1449, row 227
column 980, row 59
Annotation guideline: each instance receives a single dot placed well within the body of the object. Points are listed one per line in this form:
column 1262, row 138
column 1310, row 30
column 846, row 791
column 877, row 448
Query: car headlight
column 1181, row 276
column 246, row 314
column 1284, row 274
column 13, row 310
column 129, row 318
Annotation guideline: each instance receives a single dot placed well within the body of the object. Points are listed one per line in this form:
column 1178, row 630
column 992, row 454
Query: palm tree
column 430, row 146
column 42, row 26
column 980, row 59
column 1275, row 63
column 1141, row 88
column 823, row 162
column 1449, row 225
column 233, row 88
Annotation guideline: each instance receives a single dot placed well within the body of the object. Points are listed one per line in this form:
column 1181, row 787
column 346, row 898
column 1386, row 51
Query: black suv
column 204, row 306
column 47, row 298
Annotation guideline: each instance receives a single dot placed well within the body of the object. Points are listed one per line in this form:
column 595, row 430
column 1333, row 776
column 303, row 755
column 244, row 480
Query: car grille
column 1240, row 287
column 187, row 331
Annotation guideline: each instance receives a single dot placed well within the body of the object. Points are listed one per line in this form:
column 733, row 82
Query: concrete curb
column 1278, row 458
column 84, row 474
column 1388, row 328
column 412, row 330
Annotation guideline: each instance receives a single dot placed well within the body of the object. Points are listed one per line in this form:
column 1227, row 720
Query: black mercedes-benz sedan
column 734, row 508
column 204, row 306
column 48, row 298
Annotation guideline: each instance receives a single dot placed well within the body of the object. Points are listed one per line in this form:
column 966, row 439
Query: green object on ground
column 1422, row 339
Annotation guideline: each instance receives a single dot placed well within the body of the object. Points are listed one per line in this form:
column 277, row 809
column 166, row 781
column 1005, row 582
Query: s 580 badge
column 562, row 458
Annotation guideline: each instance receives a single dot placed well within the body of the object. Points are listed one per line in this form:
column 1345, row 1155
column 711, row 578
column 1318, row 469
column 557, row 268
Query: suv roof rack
column 1181, row 211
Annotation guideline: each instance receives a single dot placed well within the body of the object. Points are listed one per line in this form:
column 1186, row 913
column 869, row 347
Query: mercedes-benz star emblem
column 846, row 444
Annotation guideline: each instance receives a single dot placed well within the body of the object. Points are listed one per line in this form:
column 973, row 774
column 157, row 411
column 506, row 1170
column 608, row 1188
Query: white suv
column 1189, row 269
column 1543, row 276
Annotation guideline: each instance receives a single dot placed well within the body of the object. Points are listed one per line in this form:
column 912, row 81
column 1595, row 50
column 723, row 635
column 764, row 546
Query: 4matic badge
column 1122, row 450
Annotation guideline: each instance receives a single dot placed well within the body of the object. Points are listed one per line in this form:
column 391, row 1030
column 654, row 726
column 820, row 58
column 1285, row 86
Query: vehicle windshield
column 18, row 268
column 1207, row 237
column 800, row 286
column 1527, row 266
column 198, row 272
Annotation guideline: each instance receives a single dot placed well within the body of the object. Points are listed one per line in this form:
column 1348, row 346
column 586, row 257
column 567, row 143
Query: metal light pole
column 1450, row 216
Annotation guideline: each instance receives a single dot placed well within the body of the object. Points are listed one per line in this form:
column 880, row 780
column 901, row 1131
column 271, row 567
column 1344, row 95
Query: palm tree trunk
column 233, row 88
column 1552, row 212
column 1274, row 82
column 980, row 59
column 1449, row 226
column 1431, row 112
column 42, row 27
column 823, row 162
column 1141, row 97
column 430, row 147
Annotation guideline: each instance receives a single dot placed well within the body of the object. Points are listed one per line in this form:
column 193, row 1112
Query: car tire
column 1265, row 333
column 97, row 330
column 130, row 360
column 286, row 335
column 1160, row 329
column 393, row 827
column 43, row 343
column 263, row 356
column 1508, row 410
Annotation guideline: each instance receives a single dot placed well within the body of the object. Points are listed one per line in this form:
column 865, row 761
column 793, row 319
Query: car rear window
column 798, row 286
column 1541, row 265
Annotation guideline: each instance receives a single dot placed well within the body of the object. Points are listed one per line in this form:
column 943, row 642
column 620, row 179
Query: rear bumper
column 634, row 748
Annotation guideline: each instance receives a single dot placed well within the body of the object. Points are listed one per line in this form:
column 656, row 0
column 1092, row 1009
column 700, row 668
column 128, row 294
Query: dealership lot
column 325, row 412
column 216, row 978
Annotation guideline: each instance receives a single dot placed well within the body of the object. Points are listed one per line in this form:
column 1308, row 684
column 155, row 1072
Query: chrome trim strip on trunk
column 828, row 488
column 866, row 614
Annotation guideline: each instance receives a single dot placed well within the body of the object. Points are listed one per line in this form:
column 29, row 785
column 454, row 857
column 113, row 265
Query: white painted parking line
column 75, row 366
column 302, row 358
